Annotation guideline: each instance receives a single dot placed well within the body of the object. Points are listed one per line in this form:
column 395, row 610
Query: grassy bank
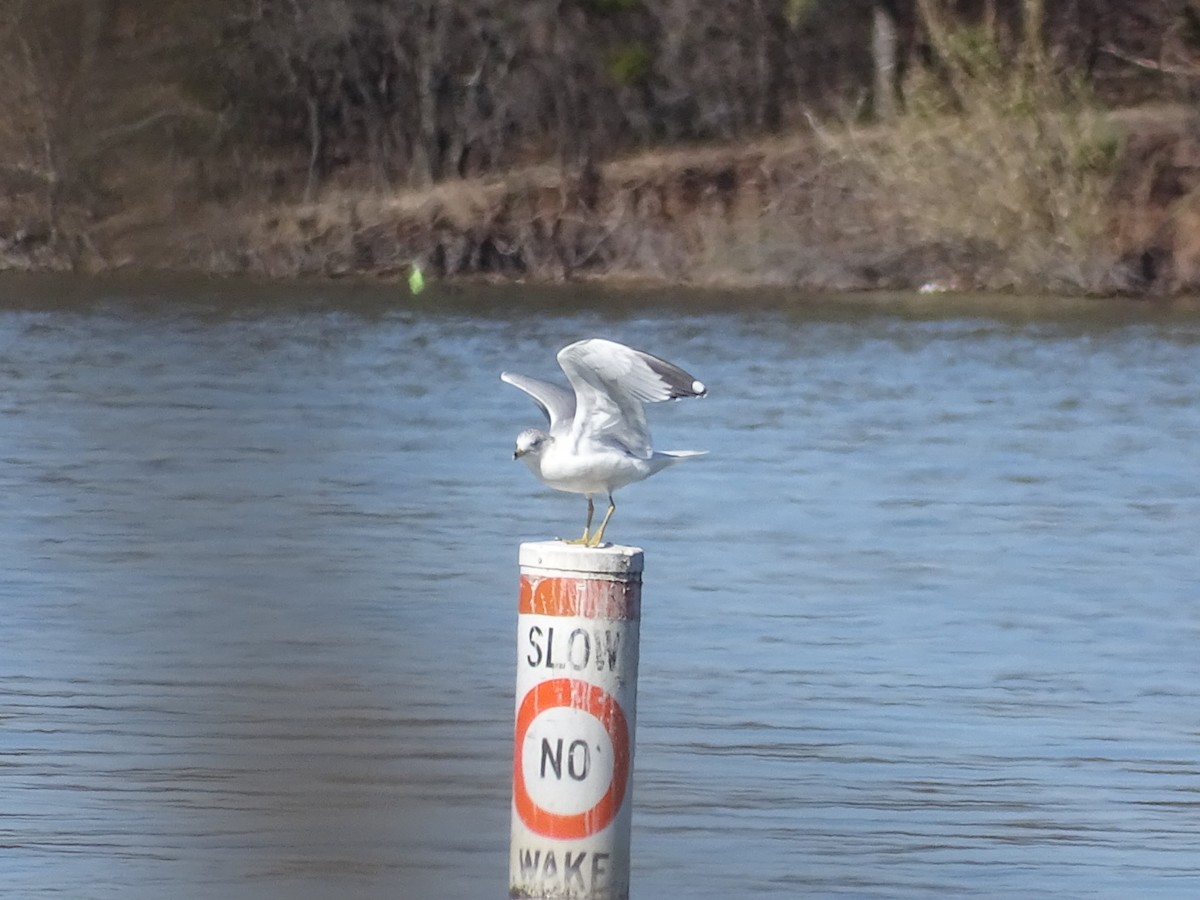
column 889, row 207
column 347, row 137
column 1062, row 202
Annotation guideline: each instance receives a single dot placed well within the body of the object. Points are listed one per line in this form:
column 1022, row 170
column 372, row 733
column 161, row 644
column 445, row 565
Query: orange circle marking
column 590, row 699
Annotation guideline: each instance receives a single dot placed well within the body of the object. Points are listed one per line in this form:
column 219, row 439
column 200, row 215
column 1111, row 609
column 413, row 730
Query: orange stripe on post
column 590, row 598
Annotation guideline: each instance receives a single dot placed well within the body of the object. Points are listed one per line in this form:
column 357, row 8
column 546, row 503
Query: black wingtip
column 679, row 383
column 695, row 389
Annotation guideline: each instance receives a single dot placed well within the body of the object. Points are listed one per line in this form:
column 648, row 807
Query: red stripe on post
column 590, row 598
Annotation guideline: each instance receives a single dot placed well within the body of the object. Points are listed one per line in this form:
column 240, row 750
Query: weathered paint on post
column 576, row 705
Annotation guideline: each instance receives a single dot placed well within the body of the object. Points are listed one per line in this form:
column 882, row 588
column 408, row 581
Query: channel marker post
column 576, row 706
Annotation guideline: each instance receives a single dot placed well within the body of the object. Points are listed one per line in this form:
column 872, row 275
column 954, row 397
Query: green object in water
column 416, row 281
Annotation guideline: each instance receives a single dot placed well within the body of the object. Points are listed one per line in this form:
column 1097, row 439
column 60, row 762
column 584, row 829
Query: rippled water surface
column 926, row 622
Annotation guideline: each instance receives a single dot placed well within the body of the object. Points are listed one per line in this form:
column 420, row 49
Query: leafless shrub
column 1001, row 155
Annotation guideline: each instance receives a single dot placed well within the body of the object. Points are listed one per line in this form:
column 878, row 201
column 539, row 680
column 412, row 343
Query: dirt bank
column 808, row 210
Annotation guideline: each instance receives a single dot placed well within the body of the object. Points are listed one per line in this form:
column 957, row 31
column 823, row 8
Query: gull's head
column 531, row 443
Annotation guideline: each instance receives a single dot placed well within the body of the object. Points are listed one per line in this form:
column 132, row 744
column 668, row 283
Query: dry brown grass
column 1007, row 162
column 1007, row 193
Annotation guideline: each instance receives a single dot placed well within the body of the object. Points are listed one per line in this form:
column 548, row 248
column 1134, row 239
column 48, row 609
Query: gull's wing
column 557, row 403
column 611, row 382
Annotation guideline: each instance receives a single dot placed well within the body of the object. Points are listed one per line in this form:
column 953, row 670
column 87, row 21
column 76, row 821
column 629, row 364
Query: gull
column 598, row 440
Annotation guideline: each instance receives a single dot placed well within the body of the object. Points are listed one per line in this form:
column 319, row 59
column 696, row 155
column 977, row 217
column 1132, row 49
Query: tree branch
column 1192, row 71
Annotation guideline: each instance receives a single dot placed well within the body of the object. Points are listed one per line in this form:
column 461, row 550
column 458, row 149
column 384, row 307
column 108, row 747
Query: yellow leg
column 587, row 527
column 598, row 537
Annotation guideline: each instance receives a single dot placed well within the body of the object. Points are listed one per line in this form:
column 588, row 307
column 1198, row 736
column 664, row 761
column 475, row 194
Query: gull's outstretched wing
column 557, row 403
column 611, row 382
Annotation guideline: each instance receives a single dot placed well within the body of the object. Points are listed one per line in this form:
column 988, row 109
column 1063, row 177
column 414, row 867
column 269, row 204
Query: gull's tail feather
column 660, row 459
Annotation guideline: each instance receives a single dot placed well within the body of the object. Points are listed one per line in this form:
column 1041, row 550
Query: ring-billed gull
column 598, row 440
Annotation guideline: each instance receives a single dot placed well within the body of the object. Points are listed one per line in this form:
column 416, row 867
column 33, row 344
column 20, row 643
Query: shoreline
column 234, row 294
column 798, row 212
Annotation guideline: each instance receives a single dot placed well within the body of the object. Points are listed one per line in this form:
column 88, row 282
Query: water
column 925, row 623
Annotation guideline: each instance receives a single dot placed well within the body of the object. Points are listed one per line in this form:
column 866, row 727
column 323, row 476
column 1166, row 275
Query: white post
column 576, row 706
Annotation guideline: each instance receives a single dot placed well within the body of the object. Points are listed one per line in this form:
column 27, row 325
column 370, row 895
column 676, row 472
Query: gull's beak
column 517, row 454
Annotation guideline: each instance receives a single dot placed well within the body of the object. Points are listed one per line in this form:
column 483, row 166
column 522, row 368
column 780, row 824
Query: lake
column 925, row 622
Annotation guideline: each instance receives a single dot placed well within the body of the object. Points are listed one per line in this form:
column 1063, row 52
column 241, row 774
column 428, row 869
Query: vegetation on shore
column 845, row 145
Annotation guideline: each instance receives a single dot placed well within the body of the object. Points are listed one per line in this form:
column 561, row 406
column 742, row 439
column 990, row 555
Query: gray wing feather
column 555, row 402
column 612, row 381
